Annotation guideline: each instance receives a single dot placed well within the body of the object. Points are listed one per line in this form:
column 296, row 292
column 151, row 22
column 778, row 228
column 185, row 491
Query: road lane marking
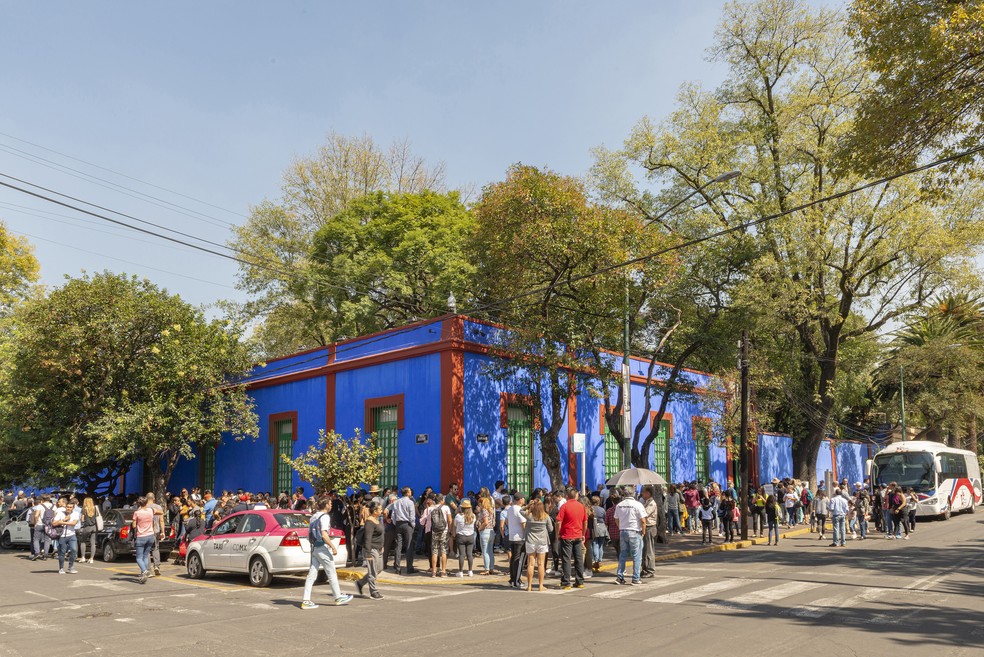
column 700, row 591
column 824, row 606
column 765, row 596
column 109, row 586
column 442, row 594
column 70, row 605
column 624, row 591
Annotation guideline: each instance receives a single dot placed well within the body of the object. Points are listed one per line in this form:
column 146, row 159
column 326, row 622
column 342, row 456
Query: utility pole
column 743, row 454
column 902, row 398
column 626, row 389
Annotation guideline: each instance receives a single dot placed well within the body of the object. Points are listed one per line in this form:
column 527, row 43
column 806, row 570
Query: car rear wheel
column 195, row 568
column 5, row 541
column 109, row 553
column 259, row 574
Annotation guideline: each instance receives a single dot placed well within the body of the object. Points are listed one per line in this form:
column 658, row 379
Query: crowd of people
column 563, row 532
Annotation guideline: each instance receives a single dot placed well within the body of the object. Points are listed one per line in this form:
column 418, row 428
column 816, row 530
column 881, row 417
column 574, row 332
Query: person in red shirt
column 572, row 526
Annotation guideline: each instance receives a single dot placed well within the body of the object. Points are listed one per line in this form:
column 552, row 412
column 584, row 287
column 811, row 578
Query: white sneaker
column 61, row 571
column 906, row 537
column 461, row 573
column 72, row 571
column 470, row 574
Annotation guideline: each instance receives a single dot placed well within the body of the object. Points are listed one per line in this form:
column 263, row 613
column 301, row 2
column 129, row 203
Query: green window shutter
column 208, row 466
column 519, row 449
column 385, row 426
column 284, row 430
column 702, row 440
column 613, row 455
column 661, row 450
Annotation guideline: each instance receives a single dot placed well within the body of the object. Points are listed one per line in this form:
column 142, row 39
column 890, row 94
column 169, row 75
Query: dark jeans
column 67, row 545
column 821, row 524
column 572, row 547
column 729, row 528
column 404, row 535
column 515, row 562
column 466, row 550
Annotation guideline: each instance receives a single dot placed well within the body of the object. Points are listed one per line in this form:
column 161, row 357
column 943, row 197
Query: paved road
column 875, row 598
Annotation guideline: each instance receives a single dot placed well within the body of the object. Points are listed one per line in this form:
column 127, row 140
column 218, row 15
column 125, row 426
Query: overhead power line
column 128, row 177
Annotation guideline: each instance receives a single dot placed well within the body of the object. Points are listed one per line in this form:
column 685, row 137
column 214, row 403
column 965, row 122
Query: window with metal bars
column 661, row 450
column 385, row 426
column 519, row 448
column 702, row 442
column 284, row 430
column 208, row 466
column 613, row 455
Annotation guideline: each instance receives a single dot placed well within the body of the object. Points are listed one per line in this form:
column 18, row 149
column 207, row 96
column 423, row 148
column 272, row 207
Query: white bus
column 946, row 480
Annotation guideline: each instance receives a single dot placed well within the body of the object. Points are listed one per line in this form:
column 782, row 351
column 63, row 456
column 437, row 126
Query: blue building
column 440, row 417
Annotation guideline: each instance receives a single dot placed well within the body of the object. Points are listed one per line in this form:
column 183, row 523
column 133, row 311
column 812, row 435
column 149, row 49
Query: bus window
column 908, row 469
column 954, row 466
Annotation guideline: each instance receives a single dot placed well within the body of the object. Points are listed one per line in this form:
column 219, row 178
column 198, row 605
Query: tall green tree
column 927, row 57
column 389, row 259
column 538, row 232
column 820, row 282
column 109, row 370
column 276, row 240
column 19, row 269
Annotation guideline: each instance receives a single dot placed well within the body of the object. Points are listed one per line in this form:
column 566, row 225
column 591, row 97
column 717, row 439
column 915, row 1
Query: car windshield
column 910, row 470
column 293, row 520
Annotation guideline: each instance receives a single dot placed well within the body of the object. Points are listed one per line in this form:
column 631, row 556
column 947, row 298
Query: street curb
column 348, row 574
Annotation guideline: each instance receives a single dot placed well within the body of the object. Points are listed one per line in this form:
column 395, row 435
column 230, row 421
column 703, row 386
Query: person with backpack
column 51, row 532
column 372, row 547
column 806, row 506
column 440, row 519
column 323, row 553
column 38, row 551
column 727, row 512
column 599, row 535
column 773, row 515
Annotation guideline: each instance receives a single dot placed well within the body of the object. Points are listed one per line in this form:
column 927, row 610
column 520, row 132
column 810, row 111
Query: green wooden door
column 385, row 424
column 519, row 449
column 208, row 466
column 702, row 458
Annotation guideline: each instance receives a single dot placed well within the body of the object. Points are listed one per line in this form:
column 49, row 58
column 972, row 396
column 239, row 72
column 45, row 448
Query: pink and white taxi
column 259, row 543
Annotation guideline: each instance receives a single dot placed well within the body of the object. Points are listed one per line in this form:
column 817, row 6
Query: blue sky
column 214, row 99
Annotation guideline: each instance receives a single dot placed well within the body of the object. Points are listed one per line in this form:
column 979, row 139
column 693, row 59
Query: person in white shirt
column 515, row 530
column 37, row 528
column 630, row 518
column 67, row 519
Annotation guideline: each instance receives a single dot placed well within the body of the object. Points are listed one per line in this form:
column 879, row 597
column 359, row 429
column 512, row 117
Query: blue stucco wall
column 851, row 459
column 824, row 461
column 419, row 381
column 775, row 457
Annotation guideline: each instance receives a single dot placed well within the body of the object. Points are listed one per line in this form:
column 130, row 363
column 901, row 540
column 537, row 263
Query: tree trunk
column 549, row 450
column 805, row 451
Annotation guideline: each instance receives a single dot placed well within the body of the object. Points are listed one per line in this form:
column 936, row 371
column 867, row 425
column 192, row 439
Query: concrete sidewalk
column 680, row 547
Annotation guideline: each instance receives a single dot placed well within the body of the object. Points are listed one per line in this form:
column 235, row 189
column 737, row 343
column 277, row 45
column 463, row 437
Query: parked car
column 17, row 532
column 115, row 541
column 260, row 544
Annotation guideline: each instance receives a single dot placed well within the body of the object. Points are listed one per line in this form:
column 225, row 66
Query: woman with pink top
column 143, row 529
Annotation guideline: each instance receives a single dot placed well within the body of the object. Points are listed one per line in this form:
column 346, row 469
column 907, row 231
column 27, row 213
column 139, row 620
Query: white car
column 17, row 532
column 259, row 543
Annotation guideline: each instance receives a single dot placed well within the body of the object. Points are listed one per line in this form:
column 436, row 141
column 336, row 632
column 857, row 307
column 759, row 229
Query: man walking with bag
column 323, row 553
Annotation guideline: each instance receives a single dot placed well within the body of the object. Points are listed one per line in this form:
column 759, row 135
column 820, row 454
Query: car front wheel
column 195, row 568
column 259, row 574
column 5, row 541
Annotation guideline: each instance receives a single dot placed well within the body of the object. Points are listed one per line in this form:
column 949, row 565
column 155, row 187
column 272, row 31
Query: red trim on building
column 452, row 404
column 511, row 398
column 833, row 459
column 572, row 470
column 603, row 422
column 332, row 349
column 331, row 398
column 380, row 402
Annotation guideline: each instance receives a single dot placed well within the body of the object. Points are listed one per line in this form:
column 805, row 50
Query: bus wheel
column 945, row 515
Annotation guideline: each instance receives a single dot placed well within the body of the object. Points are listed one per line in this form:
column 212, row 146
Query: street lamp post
column 626, row 358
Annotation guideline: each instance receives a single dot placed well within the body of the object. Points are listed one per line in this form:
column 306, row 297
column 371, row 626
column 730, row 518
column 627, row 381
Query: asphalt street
column 878, row 597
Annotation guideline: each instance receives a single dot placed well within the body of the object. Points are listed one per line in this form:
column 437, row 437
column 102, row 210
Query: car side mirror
column 208, row 532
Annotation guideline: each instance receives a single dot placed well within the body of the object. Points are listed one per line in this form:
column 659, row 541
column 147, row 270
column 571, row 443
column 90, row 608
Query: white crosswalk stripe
column 695, row 592
column 623, row 591
column 408, row 593
column 765, row 596
column 824, row 606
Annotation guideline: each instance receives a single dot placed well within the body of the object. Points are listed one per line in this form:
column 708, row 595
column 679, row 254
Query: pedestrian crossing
column 746, row 594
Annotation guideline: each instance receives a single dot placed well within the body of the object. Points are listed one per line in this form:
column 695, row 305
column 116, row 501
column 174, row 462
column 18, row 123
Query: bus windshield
column 910, row 469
